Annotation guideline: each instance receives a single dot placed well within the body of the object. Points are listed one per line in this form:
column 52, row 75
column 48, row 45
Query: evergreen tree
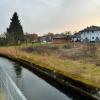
column 15, row 31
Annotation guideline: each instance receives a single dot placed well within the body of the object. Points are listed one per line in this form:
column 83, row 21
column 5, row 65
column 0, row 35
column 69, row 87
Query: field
column 78, row 61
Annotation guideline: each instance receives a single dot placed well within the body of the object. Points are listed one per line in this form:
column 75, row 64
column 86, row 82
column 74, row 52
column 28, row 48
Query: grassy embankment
column 87, row 72
column 2, row 95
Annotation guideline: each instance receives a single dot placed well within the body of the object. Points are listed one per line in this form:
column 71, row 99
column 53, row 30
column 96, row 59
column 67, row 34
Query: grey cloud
column 49, row 15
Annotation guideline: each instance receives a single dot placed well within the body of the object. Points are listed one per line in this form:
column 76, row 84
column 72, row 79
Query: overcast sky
column 43, row 16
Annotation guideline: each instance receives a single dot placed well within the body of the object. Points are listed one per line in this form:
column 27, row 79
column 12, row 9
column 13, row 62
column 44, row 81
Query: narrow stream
column 32, row 86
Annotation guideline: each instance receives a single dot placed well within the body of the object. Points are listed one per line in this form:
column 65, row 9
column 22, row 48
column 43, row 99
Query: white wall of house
column 76, row 39
column 91, row 35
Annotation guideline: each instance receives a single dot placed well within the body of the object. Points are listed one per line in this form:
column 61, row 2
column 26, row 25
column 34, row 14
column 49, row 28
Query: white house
column 76, row 37
column 89, row 34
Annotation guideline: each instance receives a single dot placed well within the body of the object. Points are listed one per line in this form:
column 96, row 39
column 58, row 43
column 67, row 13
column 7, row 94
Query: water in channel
column 32, row 86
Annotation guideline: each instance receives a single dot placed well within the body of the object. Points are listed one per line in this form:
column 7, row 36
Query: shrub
column 67, row 47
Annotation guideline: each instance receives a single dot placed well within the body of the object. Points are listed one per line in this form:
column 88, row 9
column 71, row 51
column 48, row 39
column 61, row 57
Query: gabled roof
column 76, row 35
column 60, row 36
column 91, row 28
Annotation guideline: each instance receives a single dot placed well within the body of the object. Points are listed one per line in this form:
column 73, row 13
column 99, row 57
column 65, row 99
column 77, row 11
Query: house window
column 92, row 37
column 86, row 38
column 97, row 38
column 87, row 31
column 92, row 31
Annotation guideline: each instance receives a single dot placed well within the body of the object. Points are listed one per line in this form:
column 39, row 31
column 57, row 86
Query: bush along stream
column 61, row 82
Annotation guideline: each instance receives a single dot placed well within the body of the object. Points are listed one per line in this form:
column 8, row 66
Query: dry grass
column 88, row 72
column 2, row 95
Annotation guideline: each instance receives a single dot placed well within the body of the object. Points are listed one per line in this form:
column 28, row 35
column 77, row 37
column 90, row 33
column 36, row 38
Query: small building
column 42, row 39
column 46, row 38
column 76, row 37
column 61, row 38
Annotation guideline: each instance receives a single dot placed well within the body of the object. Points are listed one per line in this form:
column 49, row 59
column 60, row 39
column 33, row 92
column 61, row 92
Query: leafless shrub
column 42, row 49
column 89, row 50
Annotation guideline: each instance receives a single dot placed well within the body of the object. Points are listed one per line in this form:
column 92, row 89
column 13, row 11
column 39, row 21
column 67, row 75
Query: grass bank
column 84, row 72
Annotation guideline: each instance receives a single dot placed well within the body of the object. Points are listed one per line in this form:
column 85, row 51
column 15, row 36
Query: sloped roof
column 91, row 28
column 76, row 35
column 60, row 36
